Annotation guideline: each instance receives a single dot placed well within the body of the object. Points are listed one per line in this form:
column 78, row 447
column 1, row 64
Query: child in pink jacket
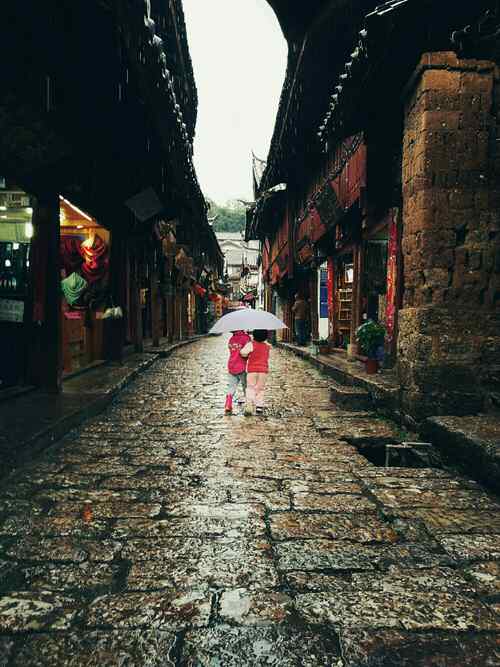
column 257, row 353
column 236, row 367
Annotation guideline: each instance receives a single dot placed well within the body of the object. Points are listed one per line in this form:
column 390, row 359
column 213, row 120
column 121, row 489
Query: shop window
column 15, row 238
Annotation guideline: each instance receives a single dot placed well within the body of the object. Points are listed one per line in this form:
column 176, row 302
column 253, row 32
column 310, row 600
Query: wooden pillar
column 46, row 351
column 175, row 313
column 136, row 308
column 313, row 303
column 155, row 299
column 170, row 315
column 114, row 330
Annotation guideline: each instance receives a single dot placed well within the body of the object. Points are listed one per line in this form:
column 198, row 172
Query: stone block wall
column 449, row 327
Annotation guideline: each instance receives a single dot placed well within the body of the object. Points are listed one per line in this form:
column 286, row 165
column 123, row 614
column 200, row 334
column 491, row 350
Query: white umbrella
column 247, row 319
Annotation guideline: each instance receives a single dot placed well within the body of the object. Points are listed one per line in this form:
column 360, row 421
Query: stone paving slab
column 355, row 527
column 396, row 648
column 36, row 611
column 162, row 611
column 259, row 647
column 440, row 521
column 418, row 611
column 164, row 533
column 145, row 648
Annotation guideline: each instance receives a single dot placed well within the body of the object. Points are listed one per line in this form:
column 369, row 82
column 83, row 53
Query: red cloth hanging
column 199, row 290
column 95, row 259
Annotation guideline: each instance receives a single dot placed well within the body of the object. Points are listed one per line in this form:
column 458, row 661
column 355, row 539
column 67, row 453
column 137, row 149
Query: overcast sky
column 239, row 59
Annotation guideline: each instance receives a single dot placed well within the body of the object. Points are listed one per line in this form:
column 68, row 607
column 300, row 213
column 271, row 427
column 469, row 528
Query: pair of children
column 249, row 365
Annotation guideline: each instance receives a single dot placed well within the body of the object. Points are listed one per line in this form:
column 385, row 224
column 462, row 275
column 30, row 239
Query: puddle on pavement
column 401, row 455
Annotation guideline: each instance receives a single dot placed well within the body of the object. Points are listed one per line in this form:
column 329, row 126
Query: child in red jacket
column 257, row 353
column 236, row 367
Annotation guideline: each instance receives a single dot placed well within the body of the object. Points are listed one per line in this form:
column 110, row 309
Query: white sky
column 239, row 60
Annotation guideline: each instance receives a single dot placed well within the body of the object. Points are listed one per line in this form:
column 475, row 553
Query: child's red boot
column 228, row 408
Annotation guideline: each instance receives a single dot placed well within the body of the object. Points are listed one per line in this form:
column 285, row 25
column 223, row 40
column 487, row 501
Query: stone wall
column 449, row 333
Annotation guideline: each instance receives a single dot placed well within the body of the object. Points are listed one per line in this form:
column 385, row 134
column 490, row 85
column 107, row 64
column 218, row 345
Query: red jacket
column 236, row 363
column 258, row 359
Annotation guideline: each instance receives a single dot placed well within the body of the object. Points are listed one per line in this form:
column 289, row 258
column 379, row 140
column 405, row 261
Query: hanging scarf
column 70, row 254
column 95, row 259
column 73, row 288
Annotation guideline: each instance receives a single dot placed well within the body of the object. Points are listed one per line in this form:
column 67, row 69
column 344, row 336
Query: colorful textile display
column 95, row 258
column 73, row 287
column 199, row 290
column 71, row 258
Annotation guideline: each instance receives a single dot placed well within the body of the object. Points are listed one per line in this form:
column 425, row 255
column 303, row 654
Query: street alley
column 165, row 533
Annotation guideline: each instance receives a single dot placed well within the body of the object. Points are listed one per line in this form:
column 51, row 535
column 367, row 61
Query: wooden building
column 380, row 195
column 97, row 117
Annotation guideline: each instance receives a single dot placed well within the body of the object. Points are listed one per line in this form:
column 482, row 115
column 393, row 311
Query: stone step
column 350, row 397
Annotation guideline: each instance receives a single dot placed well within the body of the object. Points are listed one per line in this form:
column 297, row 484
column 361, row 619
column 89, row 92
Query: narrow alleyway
column 163, row 533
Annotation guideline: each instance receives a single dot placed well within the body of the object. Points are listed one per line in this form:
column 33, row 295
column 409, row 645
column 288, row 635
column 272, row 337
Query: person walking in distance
column 236, row 367
column 299, row 310
column 257, row 354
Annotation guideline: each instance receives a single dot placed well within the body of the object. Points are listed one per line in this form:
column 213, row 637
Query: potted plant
column 370, row 336
column 323, row 345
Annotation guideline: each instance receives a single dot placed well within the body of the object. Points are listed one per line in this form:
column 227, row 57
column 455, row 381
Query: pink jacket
column 236, row 363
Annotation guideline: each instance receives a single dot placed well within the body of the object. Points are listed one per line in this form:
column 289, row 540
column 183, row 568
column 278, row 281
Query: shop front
column 16, row 231
column 85, row 273
column 380, row 282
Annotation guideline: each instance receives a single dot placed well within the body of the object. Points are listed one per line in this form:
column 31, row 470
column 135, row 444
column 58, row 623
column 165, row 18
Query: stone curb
column 56, row 430
column 384, row 400
column 458, row 439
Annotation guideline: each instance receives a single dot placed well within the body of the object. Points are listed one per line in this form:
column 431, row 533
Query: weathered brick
column 442, row 80
column 440, row 120
column 473, row 82
column 460, row 199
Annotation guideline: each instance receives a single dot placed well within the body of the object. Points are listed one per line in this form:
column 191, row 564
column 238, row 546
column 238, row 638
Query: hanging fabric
column 73, row 287
column 95, row 258
column 71, row 257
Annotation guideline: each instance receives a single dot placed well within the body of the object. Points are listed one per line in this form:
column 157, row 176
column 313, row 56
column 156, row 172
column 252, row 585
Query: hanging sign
column 11, row 310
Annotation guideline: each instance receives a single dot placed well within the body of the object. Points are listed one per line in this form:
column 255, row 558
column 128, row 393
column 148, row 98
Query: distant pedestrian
column 300, row 310
column 236, row 367
column 257, row 353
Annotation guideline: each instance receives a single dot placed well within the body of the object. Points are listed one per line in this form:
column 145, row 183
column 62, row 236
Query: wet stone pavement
column 164, row 533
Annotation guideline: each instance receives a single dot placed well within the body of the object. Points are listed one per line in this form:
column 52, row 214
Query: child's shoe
column 259, row 410
column 228, row 408
column 248, row 412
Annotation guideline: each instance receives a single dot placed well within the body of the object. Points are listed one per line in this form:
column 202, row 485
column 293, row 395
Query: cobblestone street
column 164, row 533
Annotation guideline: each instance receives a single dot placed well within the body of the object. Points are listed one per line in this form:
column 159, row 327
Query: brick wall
column 449, row 335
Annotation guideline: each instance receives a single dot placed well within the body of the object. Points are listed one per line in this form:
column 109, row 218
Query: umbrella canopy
column 247, row 319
